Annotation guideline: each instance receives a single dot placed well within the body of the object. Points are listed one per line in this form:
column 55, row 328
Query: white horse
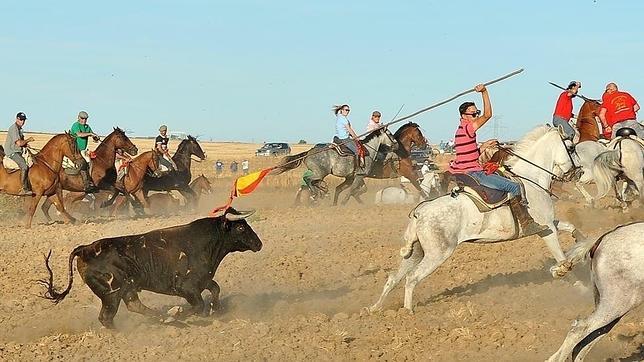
column 437, row 227
column 585, row 153
column 627, row 159
column 617, row 275
column 399, row 195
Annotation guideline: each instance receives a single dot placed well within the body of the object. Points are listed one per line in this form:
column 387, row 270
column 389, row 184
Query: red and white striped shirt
column 467, row 150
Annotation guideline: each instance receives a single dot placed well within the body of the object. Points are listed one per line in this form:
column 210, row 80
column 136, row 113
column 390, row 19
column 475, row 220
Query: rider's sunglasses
column 346, row 109
column 475, row 114
column 83, row 118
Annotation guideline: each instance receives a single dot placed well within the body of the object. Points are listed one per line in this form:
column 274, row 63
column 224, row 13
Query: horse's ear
column 114, row 128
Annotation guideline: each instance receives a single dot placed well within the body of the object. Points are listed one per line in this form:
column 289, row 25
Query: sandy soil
column 300, row 298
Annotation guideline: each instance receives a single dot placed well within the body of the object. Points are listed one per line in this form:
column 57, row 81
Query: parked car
column 419, row 156
column 274, row 149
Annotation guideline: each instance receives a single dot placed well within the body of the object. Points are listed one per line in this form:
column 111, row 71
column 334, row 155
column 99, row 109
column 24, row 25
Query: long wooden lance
column 578, row 95
column 447, row 100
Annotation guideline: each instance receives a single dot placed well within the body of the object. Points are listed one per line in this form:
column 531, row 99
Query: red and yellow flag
column 243, row 185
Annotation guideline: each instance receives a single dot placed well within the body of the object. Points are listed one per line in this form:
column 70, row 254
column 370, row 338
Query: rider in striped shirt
column 466, row 162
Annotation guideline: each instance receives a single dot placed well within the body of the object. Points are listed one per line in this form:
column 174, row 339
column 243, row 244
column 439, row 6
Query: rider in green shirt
column 82, row 131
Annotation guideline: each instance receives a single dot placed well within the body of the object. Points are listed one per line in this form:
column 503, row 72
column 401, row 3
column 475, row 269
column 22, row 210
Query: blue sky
column 271, row 70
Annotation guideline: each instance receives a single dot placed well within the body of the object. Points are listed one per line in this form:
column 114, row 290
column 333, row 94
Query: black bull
column 179, row 260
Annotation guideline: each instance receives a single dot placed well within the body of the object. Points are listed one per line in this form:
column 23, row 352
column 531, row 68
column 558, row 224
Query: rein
column 554, row 177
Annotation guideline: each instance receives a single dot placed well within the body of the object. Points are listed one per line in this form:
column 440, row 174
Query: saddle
column 484, row 198
column 344, row 151
column 11, row 166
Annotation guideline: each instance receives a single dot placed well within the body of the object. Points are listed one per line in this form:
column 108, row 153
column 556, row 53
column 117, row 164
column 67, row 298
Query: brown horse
column 43, row 175
column 103, row 173
column 586, row 121
column 408, row 136
column 132, row 184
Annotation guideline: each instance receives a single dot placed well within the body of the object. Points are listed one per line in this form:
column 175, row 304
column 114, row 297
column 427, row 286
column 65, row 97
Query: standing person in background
column 219, row 167
column 82, row 131
column 233, row 167
column 245, row 167
column 619, row 111
column 374, row 122
column 14, row 146
column 563, row 109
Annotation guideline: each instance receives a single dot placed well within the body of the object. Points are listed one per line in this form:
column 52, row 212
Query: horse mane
column 403, row 128
column 530, row 138
column 372, row 135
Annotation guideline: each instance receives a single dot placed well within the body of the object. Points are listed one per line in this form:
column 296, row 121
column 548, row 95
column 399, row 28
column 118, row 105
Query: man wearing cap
column 563, row 109
column 374, row 122
column 14, row 146
column 619, row 111
column 161, row 144
column 82, row 131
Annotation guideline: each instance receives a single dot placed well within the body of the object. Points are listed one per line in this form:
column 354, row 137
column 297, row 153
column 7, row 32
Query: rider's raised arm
column 478, row 122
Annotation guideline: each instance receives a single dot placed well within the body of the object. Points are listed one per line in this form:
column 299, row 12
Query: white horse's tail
column 579, row 252
column 605, row 166
column 410, row 237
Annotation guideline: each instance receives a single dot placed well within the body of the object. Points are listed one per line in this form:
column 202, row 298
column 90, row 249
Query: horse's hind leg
column 341, row 187
column 406, row 265
column 587, row 332
column 435, row 256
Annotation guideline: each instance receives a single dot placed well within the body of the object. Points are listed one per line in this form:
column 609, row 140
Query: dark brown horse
column 43, row 175
column 164, row 203
column 132, row 185
column 586, row 121
column 103, row 171
column 408, row 136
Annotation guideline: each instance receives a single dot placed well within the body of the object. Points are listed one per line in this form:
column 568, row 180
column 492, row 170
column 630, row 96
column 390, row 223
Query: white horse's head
column 545, row 150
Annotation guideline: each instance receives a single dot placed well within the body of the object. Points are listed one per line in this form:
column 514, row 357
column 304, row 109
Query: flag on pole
column 243, row 185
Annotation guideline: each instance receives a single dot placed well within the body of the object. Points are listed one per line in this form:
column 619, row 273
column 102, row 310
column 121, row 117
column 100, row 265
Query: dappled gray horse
column 617, row 275
column 326, row 161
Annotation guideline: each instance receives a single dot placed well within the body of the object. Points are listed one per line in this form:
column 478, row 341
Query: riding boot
column 87, row 182
column 527, row 224
column 26, row 187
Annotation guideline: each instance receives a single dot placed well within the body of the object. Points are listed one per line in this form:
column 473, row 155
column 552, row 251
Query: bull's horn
column 239, row 215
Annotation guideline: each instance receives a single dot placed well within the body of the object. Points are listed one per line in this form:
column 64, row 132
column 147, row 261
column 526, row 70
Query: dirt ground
column 301, row 296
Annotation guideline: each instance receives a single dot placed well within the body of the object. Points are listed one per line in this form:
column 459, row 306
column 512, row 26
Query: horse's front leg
column 341, row 187
column 60, row 206
column 140, row 197
column 580, row 187
column 31, row 210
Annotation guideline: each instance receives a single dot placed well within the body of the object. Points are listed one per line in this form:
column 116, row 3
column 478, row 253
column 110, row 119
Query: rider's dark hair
column 336, row 109
column 463, row 107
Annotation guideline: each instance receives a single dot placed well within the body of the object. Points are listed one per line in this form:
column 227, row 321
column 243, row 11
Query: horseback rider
column 619, row 111
column 344, row 133
column 466, row 162
column 121, row 161
column 82, row 131
column 374, row 122
column 14, row 146
column 563, row 109
column 161, row 144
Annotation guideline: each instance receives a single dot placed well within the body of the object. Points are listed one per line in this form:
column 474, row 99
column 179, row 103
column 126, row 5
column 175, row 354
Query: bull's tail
column 605, row 166
column 410, row 237
column 51, row 293
column 289, row 163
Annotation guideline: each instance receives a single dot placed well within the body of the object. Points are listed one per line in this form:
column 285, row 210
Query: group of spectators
column 234, row 167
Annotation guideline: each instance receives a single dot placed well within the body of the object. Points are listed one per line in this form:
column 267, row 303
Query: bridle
column 566, row 176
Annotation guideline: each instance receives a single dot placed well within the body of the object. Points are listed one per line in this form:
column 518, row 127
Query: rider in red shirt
column 619, row 111
column 563, row 109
